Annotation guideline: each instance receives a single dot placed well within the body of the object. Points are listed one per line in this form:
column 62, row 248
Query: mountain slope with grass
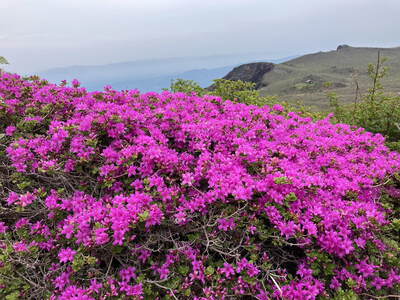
column 310, row 77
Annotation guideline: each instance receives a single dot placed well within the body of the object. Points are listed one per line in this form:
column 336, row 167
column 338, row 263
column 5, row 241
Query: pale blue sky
column 39, row 34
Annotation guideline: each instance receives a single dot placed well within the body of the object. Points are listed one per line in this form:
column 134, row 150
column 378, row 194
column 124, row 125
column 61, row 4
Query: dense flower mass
column 146, row 196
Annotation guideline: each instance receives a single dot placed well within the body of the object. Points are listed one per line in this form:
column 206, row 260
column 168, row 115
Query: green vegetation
column 243, row 92
column 304, row 78
column 238, row 90
column 186, row 86
column 376, row 110
column 373, row 107
column 3, row 61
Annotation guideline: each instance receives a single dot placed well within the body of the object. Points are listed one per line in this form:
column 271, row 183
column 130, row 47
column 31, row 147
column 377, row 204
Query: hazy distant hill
column 304, row 78
column 152, row 75
column 202, row 76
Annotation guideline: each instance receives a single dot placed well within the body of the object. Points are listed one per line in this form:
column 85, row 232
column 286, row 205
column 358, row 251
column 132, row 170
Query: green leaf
column 291, row 197
column 281, row 180
column 210, row 270
column 3, row 61
column 183, row 270
column 13, row 295
column 144, row 216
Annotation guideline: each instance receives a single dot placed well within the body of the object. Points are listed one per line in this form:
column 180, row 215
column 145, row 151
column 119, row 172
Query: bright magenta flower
column 66, row 255
column 180, row 196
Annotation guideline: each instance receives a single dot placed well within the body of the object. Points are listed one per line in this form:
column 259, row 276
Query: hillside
column 253, row 72
column 304, row 78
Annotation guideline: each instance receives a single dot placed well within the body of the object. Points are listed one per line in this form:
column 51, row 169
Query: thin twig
column 383, row 297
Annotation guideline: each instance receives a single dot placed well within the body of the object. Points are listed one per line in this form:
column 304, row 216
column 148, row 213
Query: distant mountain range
column 292, row 79
column 153, row 75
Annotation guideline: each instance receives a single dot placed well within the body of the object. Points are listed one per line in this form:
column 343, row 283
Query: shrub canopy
column 116, row 193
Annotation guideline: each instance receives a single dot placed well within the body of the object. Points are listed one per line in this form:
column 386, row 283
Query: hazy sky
column 39, row 34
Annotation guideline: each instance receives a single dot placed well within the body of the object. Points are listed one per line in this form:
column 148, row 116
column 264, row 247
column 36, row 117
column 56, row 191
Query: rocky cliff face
column 252, row 72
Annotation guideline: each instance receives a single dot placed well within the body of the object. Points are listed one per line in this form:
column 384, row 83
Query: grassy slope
column 288, row 80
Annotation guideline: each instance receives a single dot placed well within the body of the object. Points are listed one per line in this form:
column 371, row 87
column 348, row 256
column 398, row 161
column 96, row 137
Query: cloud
column 55, row 33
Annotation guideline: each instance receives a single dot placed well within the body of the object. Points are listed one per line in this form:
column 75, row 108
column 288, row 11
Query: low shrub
column 377, row 111
column 117, row 194
column 239, row 91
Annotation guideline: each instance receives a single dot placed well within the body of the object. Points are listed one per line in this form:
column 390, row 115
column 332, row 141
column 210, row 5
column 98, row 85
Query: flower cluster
column 117, row 193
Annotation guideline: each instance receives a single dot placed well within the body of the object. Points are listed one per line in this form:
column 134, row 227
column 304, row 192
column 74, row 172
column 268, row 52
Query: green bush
column 241, row 92
column 236, row 90
column 186, row 86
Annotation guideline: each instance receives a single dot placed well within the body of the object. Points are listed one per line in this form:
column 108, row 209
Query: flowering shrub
column 108, row 195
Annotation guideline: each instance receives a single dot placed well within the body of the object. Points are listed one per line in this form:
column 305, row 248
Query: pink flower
column 335, row 284
column 3, row 227
column 187, row 179
column 20, row 247
column 252, row 229
column 288, row 229
column 128, row 273
column 10, row 130
column 278, row 107
column 226, row 224
column 101, row 236
column 366, row 269
column 63, row 280
column 66, row 254
column 12, row 198
column 75, row 83
column 227, row 270
column 95, row 286
column 26, row 199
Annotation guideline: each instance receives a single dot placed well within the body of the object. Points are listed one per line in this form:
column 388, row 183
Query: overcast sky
column 39, row 34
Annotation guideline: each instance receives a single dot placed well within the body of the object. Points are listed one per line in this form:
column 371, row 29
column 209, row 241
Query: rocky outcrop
column 342, row 47
column 253, row 72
